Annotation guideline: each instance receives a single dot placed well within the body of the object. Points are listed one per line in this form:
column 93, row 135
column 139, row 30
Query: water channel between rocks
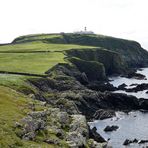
column 116, row 81
column 132, row 125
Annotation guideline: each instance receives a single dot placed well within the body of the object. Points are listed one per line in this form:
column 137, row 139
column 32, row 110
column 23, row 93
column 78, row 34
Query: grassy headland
column 94, row 55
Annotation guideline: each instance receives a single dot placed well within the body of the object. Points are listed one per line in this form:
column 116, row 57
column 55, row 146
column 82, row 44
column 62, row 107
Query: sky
column 119, row 18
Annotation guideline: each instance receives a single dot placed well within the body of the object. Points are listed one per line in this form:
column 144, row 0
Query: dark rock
column 139, row 87
column 127, row 142
column 143, row 111
column 83, row 79
column 143, row 104
column 60, row 134
column 135, row 141
column 142, row 141
column 96, row 136
column 111, row 128
column 103, row 114
column 135, row 84
column 136, row 76
column 94, row 70
column 119, row 101
column 101, row 86
column 122, row 86
column 140, row 69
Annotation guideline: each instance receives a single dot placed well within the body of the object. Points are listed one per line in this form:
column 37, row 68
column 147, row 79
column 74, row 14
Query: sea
column 131, row 125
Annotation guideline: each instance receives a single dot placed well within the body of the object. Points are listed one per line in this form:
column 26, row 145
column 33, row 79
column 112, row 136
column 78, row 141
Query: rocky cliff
column 70, row 92
column 114, row 53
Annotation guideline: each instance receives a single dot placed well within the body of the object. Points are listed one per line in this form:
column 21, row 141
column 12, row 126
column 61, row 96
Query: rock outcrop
column 76, row 91
column 111, row 128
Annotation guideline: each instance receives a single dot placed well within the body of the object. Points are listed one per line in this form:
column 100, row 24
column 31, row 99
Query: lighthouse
column 84, row 31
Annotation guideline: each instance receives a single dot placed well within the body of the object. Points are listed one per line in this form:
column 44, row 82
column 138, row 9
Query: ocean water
column 132, row 125
column 116, row 81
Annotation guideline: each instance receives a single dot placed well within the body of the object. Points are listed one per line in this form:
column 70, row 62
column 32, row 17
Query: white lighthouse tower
column 84, row 31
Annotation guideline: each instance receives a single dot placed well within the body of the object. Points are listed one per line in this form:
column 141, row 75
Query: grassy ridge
column 36, row 54
column 36, row 63
column 13, row 106
column 33, row 57
column 131, row 51
column 37, row 46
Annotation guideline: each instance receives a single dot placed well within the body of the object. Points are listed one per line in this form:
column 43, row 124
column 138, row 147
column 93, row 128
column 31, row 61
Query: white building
column 84, row 32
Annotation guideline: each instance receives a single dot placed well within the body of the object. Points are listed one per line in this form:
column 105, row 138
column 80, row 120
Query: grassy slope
column 36, row 63
column 13, row 107
column 37, row 46
column 132, row 52
column 27, row 57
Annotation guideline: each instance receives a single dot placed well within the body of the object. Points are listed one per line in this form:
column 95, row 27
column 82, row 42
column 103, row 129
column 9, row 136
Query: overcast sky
column 119, row 18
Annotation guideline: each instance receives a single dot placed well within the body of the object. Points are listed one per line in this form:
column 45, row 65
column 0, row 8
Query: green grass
column 37, row 46
column 17, row 82
column 29, row 58
column 35, row 63
column 35, row 54
column 38, row 37
column 13, row 106
column 33, row 57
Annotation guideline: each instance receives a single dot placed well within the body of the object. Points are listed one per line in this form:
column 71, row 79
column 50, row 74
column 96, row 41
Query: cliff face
column 130, row 51
column 112, row 61
column 71, row 88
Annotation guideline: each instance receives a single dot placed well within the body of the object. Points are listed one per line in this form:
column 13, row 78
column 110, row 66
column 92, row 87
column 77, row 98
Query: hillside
column 44, row 93
column 131, row 51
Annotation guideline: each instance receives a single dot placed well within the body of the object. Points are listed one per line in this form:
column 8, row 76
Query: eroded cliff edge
column 77, row 91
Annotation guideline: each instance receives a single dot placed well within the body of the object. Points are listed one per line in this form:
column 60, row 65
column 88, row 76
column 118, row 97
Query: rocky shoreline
column 74, row 100
column 78, row 90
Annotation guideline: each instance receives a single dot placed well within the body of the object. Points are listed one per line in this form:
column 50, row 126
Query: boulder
column 143, row 111
column 136, row 76
column 75, row 139
column 93, row 144
column 63, row 118
column 101, row 86
column 122, row 86
column 143, row 104
column 111, row 128
column 143, row 141
column 127, row 142
column 96, row 136
column 139, row 87
column 68, row 106
column 79, row 124
column 78, row 131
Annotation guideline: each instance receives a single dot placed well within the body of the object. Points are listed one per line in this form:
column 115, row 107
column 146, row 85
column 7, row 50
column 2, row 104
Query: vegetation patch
column 13, row 106
column 34, row 63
